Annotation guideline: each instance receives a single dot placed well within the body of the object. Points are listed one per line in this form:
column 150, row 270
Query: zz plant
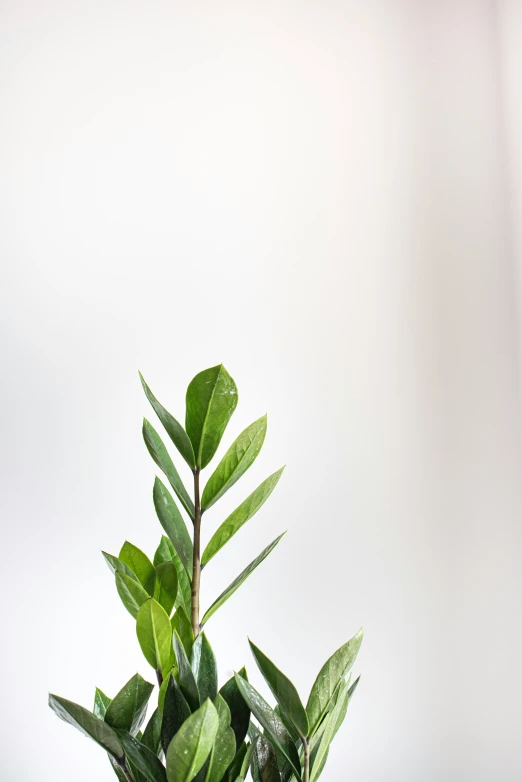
column 197, row 731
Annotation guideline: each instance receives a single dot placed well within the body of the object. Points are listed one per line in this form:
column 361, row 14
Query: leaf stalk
column 306, row 760
column 196, row 562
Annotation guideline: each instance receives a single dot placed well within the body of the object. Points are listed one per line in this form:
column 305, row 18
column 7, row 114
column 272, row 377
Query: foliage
column 198, row 732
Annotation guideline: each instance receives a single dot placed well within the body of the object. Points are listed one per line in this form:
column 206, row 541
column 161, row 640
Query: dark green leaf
column 211, row 400
column 288, row 725
column 271, row 723
column 128, row 708
column 117, row 769
column 172, row 522
column 87, row 723
column 162, row 458
column 166, row 586
column 224, row 749
column 328, row 678
column 246, row 764
column 175, row 711
column 152, row 733
column 204, row 668
column 143, row 758
column 229, row 591
column 241, row 454
column 140, row 564
column 181, row 624
column 235, row 767
column 101, row 703
column 283, row 690
column 191, row 745
column 154, row 634
column 186, row 678
column 132, row 594
column 117, row 566
column 240, row 516
column 239, row 711
column 265, row 761
column 174, row 429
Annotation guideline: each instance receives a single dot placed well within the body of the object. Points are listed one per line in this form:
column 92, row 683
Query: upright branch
column 306, row 760
column 196, row 562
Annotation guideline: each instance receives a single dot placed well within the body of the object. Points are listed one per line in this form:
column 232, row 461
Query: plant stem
column 124, row 767
column 196, row 562
column 306, row 760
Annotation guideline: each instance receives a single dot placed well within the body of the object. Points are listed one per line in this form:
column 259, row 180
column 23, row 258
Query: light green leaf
column 128, row 708
column 266, row 761
column 331, row 722
column 271, row 723
column 186, row 678
column 167, row 553
column 91, row 726
column 154, row 634
column 174, row 429
column 132, row 594
column 191, row 745
column 142, row 758
column 283, row 690
column 211, row 400
column 181, row 624
column 246, row 764
column 328, row 678
column 239, row 711
column 204, row 668
column 101, row 703
column 239, row 457
column 162, row 458
column 229, row 591
column 175, row 711
column 224, row 749
column 172, row 522
column 166, row 586
column 240, row 516
column 140, row 564
column 117, row 566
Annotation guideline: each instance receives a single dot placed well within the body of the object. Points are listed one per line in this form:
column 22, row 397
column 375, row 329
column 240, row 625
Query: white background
column 326, row 197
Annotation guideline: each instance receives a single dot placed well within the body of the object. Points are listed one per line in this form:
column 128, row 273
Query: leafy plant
column 197, row 731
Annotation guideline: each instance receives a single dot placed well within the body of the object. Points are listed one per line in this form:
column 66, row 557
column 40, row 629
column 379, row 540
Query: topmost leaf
column 211, row 400
column 174, row 429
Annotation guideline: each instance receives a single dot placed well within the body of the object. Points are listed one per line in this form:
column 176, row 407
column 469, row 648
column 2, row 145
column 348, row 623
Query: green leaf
column 117, row 566
column 271, row 723
column 204, row 668
column 132, row 594
column 140, row 564
column 231, row 588
column 191, row 745
column 87, row 723
column 236, row 765
column 154, row 634
column 166, row 586
column 152, row 733
column 328, row 678
column 186, row 678
column 174, row 429
column 283, row 690
column 239, row 711
column 239, row 457
column 288, row 725
column 224, row 749
column 240, row 516
column 128, row 708
column 162, row 458
column 175, row 711
column 172, row 522
column 167, row 553
column 331, row 723
column 143, row 758
column 211, row 400
column 246, row 764
column 266, row 761
column 181, row 624
column 101, row 703
column 117, row 769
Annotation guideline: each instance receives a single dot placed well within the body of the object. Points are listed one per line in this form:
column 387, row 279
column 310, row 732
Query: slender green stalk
column 196, row 562
column 306, row 760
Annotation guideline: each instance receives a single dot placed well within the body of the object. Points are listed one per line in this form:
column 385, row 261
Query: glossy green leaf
column 283, row 690
column 239, row 711
column 85, row 721
column 271, row 723
column 128, row 708
column 152, row 733
column 162, row 458
column 239, row 457
column 132, row 594
column 191, row 745
column 265, row 761
column 331, row 722
column 140, row 564
column 204, row 668
column 224, row 749
column 288, row 725
column 174, row 429
column 154, row 634
column 146, row 761
column 175, row 711
column 172, row 522
column 167, row 553
column 186, row 678
column 101, row 703
column 229, row 591
column 181, row 624
column 211, row 400
column 328, row 678
column 240, row 516
column 166, row 585
column 236, row 765
column 117, row 566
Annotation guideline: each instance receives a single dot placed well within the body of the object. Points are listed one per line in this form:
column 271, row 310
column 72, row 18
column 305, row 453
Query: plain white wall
column 318, row 195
